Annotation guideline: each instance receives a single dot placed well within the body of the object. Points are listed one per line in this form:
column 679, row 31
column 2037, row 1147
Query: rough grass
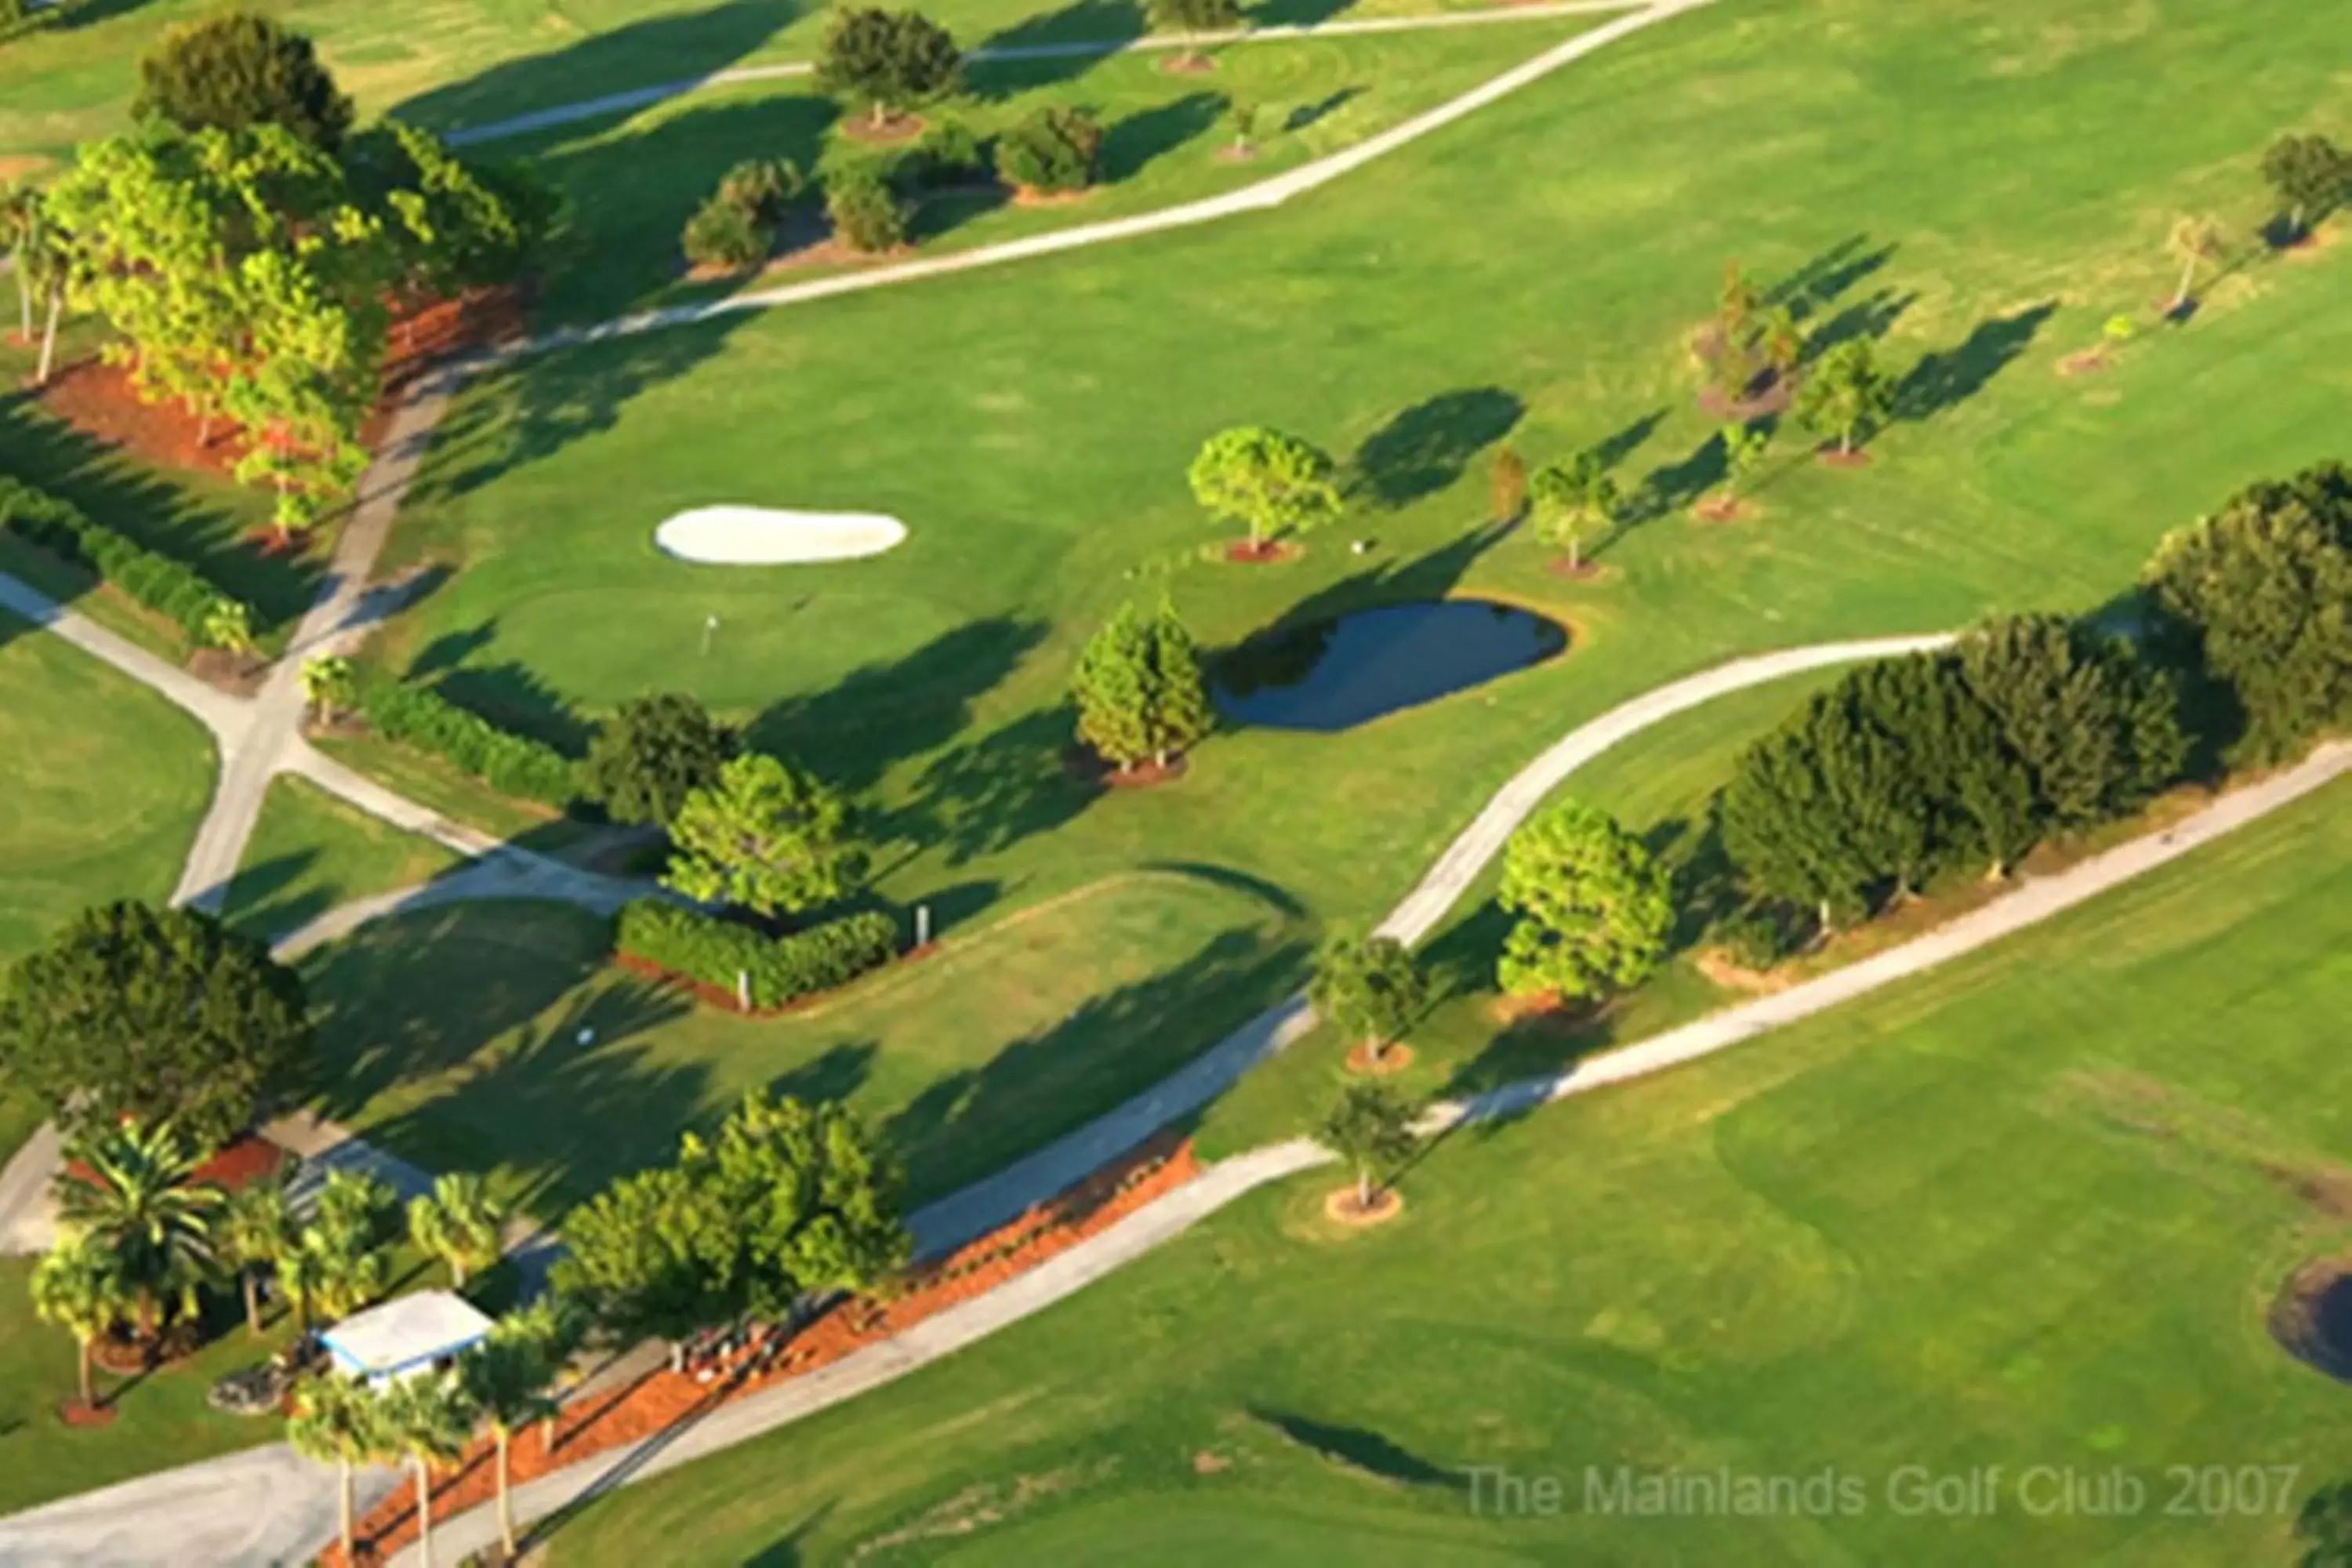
column 1943, row 1228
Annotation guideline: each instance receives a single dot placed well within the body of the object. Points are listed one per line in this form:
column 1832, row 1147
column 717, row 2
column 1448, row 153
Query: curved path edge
column 2034, row 901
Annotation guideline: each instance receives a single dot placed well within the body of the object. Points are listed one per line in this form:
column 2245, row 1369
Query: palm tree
column 258, row 1228
column 427, row 1418
column 302, row 1269
column 2194, row 241
column 78, row 1287
column 506, row 1378
column 327, row 683
column 20, row 207
column 340, row 1422
column 458, row 1223
column 133, row 1188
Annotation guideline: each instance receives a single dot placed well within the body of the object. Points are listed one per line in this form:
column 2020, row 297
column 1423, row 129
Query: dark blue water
column 1334, row 675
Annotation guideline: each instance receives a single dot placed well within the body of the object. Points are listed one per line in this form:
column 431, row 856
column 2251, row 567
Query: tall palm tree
column 340, row 1422
column 458, row 1223
column 134, row 1189
column 257, row 1229
column 429, row 1419
column 78, row 1287
column 2193, row 242
column 506, row 1378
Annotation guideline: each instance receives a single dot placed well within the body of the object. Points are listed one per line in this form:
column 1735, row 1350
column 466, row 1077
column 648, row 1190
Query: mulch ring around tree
column 123, row 1351
column 1031, row 196
column 2084, row 362
column 1267, row 553
column 1088, row 767
column 1237, row 152
column 1723, row 509
column 1186, row 62
column 895, row 128
column 761, row 1358
column 238, row 674
column 1830, row 457
column 1575, row 571
column 74, row 1412
column 2312, row 1317
column 1366, row 1061
column 1341, row 1205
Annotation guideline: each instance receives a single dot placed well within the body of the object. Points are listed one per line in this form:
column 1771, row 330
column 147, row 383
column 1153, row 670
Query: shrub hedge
column 168, row 587
column 780, row 969
column 512, row 765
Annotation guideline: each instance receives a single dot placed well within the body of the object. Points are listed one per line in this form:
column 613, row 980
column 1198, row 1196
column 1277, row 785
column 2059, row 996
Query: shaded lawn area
column 107, row 786
column 2029, row 1210
column 310, row 852
column 494, row 1037
column 632, row 181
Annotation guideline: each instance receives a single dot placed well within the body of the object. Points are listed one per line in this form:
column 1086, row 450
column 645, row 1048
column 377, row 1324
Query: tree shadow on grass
column 514, row 697
column 1080, row 22
column 1360, row 1448
column 1116, row 1044
column 681, row 46
column 1303, row 115
column 1134, row 141
column 1946, row 378
column 1424, row 448
column 984, row 795
column 854, row 729
column 1806, row 291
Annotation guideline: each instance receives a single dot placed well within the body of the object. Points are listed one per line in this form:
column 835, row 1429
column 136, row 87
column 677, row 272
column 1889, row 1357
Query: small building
column 425, row 1330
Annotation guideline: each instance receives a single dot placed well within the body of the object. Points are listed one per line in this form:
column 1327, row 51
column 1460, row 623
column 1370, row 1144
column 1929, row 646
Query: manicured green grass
column 107, row 783
column 310, row 852
column 2029, row 1210
column 631, row 184
column 1531, row 275
column 493, row 1037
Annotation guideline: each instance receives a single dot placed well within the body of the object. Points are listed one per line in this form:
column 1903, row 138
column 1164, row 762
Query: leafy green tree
column 257, row 1227
column 1743, row 452
column 764, row 836
column 2194, row 242
column 337, row 1421
column 2264, row 590
column 888, row 61
column 762, row 187
column 1572, row 497
column 239, row 69
column 2096, row 725
column 1371, row 1128
column 79, row 1285
column 1976, row 797
column 1138, row 688
column 1370, row 988
column 2310, row 176
column 1508, row 484
column 133, row 1189
column 449, row 224
column 1272, row 482
column 458, row 1223
column 648, row 758
column 1242, row 115
column 155, row 1014
column 785, row 1199
column 328, row 684
column 1052, row 149
column 1846, row 395
column 429, row 1419
column 1594, row 905
column 865, row 211
column 723, row 234
column 1192, row 18
column 507, row 1378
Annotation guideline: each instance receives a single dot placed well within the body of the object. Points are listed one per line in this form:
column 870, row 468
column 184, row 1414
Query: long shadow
column 1037, row 1088
column 675, row 47
column 1295, row 12
column 1136, row 141
column 1080, row 22
column 515, row 697
column 1806, row 291
column 852, row 731
column 986, row 794
column 1360, row 1448
column 115, row 489
column 1424, row 448
column 1330, row 103
column 1946, row 378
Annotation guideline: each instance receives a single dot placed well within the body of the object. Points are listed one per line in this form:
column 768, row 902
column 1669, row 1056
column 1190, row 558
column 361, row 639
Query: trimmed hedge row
column 168, row 587
column 512, row 765
column 781, row 969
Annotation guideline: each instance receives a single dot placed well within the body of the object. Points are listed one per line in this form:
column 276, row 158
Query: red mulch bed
column 663, row 1398
column 1395, row 1058
column 74, row 1412
column 1185, row 63
column 98, row 400
column 2085, row 361
column 720, row 996
column 1084, row 765
column 1242, row 553
column 898, row 128
column 1720, row 509
column 1830, row 457
column 1577, row 571
column 247, row 1160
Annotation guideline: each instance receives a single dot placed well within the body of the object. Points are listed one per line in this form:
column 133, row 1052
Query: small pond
column 1335, row 674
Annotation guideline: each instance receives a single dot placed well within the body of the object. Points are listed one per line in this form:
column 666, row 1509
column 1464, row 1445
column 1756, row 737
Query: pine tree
column 1112, row 690
column 1177, row 699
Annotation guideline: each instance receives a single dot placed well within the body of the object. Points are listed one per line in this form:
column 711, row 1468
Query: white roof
column 405, row 1331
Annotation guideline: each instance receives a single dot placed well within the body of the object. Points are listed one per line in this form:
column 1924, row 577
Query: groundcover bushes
column 513, row 765
column 775, row 970
column 163, row 584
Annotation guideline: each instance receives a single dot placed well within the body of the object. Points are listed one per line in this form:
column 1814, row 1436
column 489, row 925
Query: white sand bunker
column 764, row 536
